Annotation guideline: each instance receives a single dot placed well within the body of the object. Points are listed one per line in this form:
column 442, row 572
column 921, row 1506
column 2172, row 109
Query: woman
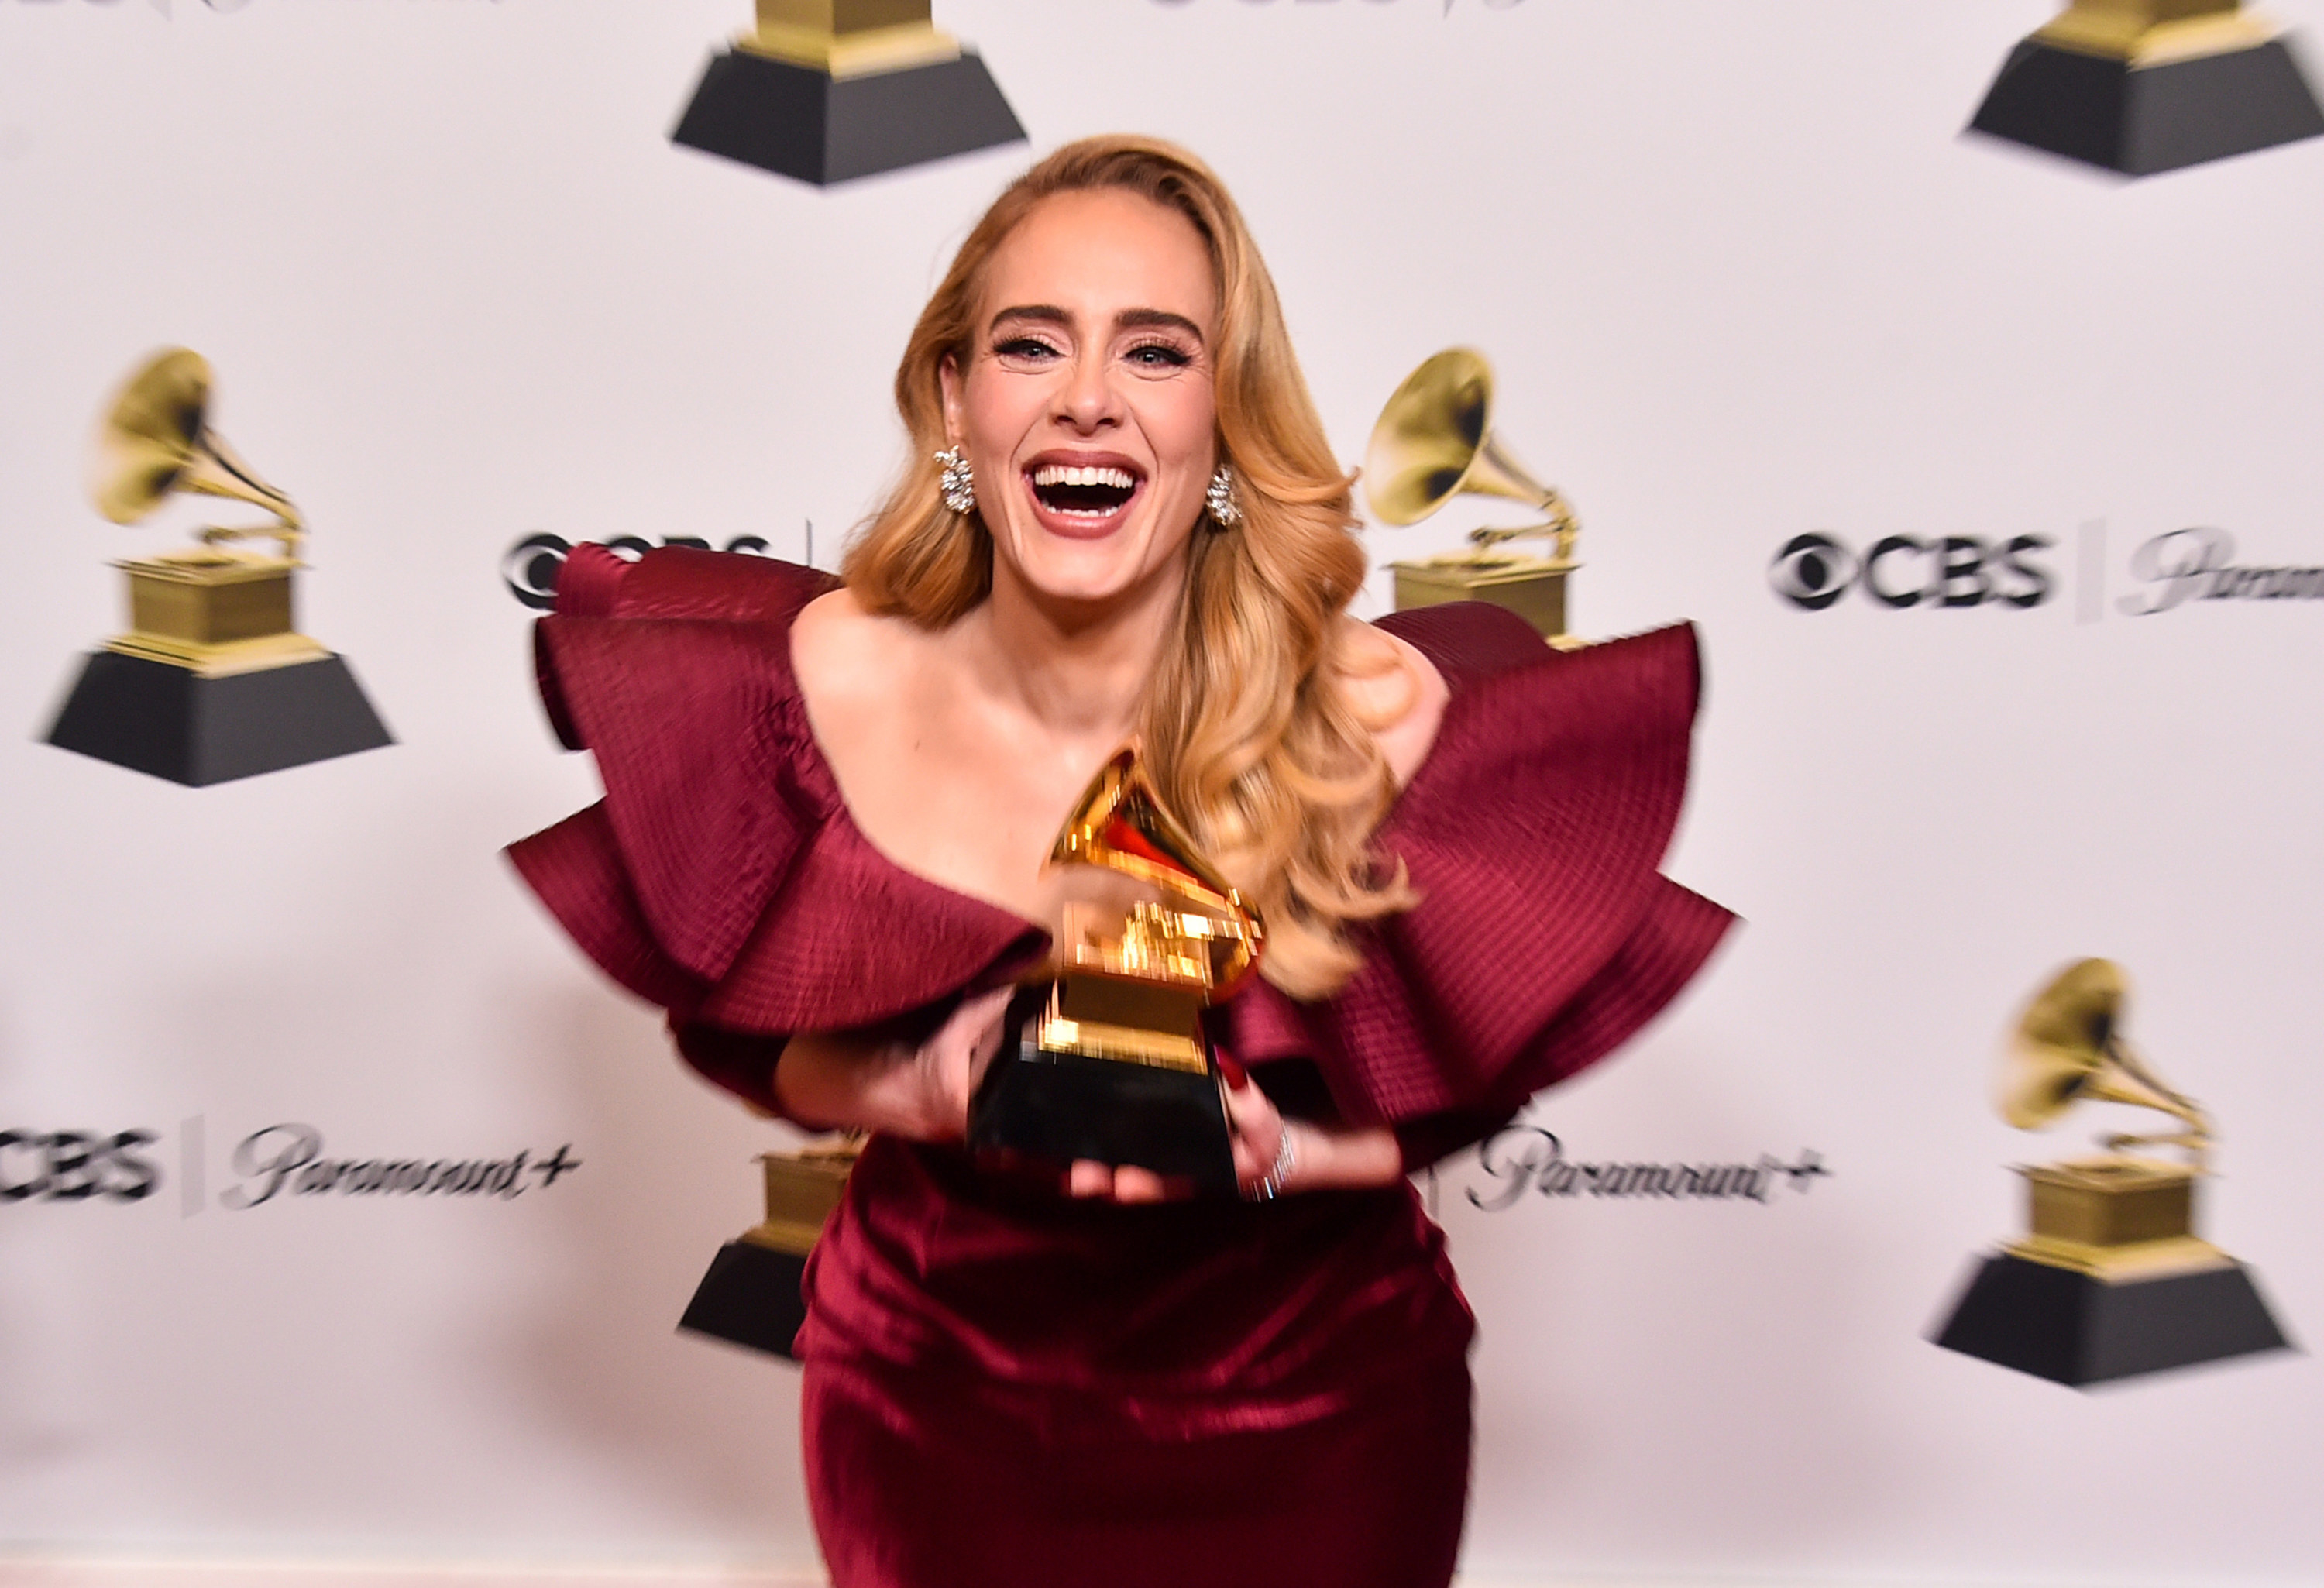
column 822, row 849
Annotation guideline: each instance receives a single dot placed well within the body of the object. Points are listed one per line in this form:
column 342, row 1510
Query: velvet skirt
column 929, row 1482
column 1008, row 1387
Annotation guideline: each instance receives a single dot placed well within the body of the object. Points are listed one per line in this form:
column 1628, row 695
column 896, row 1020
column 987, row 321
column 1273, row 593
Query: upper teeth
column 1121, row 479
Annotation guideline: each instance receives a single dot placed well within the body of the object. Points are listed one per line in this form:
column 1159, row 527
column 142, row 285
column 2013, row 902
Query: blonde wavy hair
column 1249, row 734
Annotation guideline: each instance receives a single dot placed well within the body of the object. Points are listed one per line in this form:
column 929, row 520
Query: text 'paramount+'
column 2200, row 564
column 1524, row 1159
column 288, row 1161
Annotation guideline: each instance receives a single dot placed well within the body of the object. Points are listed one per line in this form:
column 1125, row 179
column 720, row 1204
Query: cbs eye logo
column 531, row 568
column 1815, row 570
column 74, row 1166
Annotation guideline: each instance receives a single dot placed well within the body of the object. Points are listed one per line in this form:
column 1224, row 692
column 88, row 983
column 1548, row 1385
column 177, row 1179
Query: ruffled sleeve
column 1544, row 936
column 720, row 876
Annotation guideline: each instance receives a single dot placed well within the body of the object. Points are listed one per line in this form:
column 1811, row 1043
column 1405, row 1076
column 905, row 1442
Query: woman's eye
column 1025, row 347
column 1160, row 355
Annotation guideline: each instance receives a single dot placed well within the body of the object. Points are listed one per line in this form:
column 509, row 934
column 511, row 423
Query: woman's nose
column 1088, row 401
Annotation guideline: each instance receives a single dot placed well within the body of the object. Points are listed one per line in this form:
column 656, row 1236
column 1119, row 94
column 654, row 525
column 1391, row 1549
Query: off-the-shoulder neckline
column 793, row 693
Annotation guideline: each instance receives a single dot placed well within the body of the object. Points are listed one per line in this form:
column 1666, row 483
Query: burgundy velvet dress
column 1007, row 1385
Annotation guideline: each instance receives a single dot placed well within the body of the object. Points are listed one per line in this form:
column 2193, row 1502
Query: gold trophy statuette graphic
column 750, row 1295
column 213, row 682
column 1435, row 441
column 1107, row 1060
column 2145, row 85
column 829, row 90
column 2111, row 1280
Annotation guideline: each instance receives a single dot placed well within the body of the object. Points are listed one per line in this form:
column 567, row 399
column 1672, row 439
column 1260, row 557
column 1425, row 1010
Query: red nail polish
column 1231, row 1068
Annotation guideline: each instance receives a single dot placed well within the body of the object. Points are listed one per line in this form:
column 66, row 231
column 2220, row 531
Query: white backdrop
column 1742, row 282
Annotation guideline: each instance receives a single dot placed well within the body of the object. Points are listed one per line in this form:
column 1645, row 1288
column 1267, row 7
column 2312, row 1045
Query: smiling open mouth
column 1084, row 492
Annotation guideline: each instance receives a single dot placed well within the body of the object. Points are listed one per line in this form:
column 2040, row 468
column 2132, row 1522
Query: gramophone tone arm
column 1562, row 525
column 288, row 532
column 2198, row 1143
column 2196, row 1138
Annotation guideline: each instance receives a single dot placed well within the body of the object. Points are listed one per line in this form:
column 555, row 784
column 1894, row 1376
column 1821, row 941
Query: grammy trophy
column 1435, row 441
column 212, row 681
column 2110, row 1279
column 751, row 1294
column 1106, row 1058
column 1103, row 1055
column 2146, row 86
column 829, row 90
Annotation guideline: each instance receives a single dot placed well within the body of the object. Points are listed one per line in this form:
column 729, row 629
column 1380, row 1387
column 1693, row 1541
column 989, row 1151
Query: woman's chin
column 1084, row 572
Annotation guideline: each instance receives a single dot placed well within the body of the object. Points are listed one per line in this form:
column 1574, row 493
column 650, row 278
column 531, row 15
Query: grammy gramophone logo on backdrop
column 829, row 90
column 2110, row 1279
column 1435, row 442
column 212, row 681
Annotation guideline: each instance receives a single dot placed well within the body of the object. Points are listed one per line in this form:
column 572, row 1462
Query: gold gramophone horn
column 1120, row 825
column 2068, row 1047
column 1435, row 441
column 154, row 442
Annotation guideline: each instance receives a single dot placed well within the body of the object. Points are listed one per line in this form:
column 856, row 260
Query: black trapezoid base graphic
column 2073, row 1329
column 2144, row 120
column 152, row 717
column 750, row 1297
column 797, row 122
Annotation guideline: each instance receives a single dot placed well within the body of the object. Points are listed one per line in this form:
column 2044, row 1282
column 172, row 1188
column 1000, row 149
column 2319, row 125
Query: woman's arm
column 845, row 1081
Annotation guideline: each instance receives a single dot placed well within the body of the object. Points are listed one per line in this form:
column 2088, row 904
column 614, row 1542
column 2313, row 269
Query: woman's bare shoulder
column 845, row 654
column 1397, row 690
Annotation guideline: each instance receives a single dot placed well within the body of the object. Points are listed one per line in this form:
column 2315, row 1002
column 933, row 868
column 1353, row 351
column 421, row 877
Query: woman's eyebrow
column 1046, row 313
column 1127, row 320
column 1136, row 319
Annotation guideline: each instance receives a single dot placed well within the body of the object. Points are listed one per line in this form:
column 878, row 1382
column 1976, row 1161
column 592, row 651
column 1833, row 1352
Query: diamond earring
column 1220, row 500
column 959, row 482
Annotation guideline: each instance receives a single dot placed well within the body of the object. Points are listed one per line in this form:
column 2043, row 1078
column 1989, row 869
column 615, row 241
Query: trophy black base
column 1062, row 1107
column 2072, row 1329
column 152, row 717
column 750, row 1297
column 797, row 122
column 2142, row 120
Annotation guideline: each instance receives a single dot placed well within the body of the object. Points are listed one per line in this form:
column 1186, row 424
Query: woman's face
column 1086, row 406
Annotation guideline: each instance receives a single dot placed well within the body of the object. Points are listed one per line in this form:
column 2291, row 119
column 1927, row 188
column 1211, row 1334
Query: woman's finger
column 1257, row 1129
column 1132, row 1184
column 982, row 1017
column 955, row 1058
column 1089, row 1178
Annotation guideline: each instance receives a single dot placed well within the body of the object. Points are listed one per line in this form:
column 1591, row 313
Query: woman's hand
column 839, row 1081
column 842, row 1082
column 1320, row 1157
